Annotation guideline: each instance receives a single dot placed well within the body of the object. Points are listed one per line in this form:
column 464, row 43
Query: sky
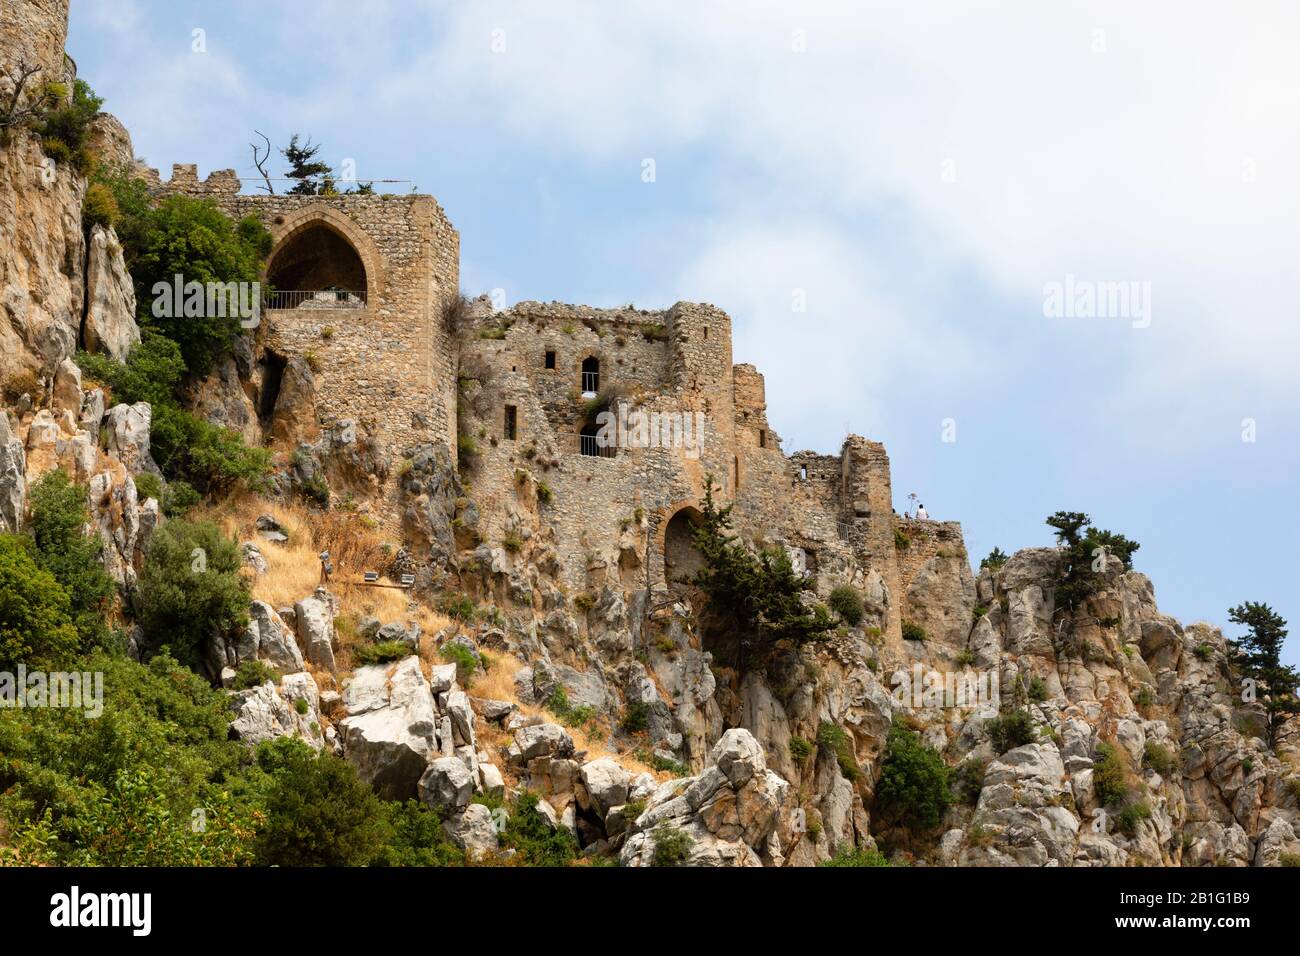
column 888, row 199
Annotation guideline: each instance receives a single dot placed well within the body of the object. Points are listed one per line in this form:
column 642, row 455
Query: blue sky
column 920, row 171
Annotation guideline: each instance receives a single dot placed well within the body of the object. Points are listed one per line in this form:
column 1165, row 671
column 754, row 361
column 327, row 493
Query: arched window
column 590, row 375
column 316, row 267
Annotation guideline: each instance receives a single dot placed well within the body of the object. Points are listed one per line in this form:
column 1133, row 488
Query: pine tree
column 313, row 177
column 1259, row 656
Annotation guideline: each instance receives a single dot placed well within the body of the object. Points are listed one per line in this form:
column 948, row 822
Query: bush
column 901, row 541
column 59, row 518
column 848, row 855
column 36, row 625
column 836, row 740
column 465, row 660
column 558, row 704
column 994, row 562
column 318, row 813
column 99, row 208
column 456, row 606
column 151, row 373
column 254, row 673
column 1128, row 818
column 1037, row 691
column 847, row 603
column 65, row 129
column 196, row 240
column 636, row 717
column 913, row 785
column 1159, row 758
column 913, row 632
column 1110, row 775
column 416, row 837
column 672, row 846
column 385, row 652
column 1010, row 730
column 530, row 835
column 756, row 598
column 190, row 589
column 120, row 789
column 800, row 749
column 148, row 485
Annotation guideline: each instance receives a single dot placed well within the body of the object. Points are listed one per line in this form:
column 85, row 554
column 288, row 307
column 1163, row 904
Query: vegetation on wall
column 758, row 598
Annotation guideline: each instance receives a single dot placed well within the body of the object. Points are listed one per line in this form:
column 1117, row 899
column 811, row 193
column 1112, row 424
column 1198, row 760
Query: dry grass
column 293, row 572
column 293, row 569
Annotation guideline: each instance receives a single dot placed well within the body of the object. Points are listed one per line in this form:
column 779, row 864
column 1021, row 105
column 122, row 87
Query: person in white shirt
column 921, row 513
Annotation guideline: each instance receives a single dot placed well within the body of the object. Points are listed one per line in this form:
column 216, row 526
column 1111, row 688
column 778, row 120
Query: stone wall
column 389, row 364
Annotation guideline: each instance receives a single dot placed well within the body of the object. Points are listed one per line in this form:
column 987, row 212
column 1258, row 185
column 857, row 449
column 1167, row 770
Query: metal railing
column 314, row 299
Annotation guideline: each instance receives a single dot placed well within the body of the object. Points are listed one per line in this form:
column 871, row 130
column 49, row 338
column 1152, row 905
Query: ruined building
column 366, row 287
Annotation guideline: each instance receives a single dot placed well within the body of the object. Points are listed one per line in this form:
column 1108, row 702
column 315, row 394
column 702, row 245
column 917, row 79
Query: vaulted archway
column 321, row 257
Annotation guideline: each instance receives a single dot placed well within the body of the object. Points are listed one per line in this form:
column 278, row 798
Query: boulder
column 389, row 733
column 447, row 784
column 314, row 620
column 540, row 740
column 738, row 755
column 262, row 713
column 474, row 831
column 604, row 785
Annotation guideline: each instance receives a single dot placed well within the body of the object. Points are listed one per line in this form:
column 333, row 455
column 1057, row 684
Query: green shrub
column 530, row 835
column 1110, row 775
column 800, row 749
column 1130, row 815
column 544, row 493
column 190, row 589
column 1012, row 729
column 36, row 624
column 968, row 781
column 1144, row 698
column 121, row 789
column 1159, row 758
column 994, row 562
column 966, row 658
column 465, row 660
column 416, row 837
column 149, row 485
column 848, row 855
column 456, row 606
column 99, row 208
column 512, row 542
column 318, row 813
column 1203, row 651
column 59, row 518
column 152, row 372
column 913, row 632
column 636, row 717
column 901, row 541
column 1037, row 691
column 833, row 738
column 196, row 240
column 757, row 599
column 1288, row 859
column 558, row 704
column 913, row 785
column 65, row 129
column 384, row 652
column 847, row 603
column 672, row 846
column 254, row 673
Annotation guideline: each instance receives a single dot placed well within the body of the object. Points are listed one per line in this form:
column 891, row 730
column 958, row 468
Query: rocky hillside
column 536, row 724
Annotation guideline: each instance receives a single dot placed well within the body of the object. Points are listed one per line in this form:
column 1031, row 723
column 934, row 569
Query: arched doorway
column 316, row 266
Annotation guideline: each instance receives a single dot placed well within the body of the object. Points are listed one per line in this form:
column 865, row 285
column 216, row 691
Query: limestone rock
column 110, row 327
column 389, row 733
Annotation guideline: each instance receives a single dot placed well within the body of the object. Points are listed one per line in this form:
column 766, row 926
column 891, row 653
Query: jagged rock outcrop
column 13, row 477
column 266, row 712
column 730, row 814
column 110, row 325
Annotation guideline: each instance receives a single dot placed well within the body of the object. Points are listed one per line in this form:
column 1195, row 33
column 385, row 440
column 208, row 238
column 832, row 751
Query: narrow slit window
column 550, row 360
column 762, row 438
column 512, row 422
